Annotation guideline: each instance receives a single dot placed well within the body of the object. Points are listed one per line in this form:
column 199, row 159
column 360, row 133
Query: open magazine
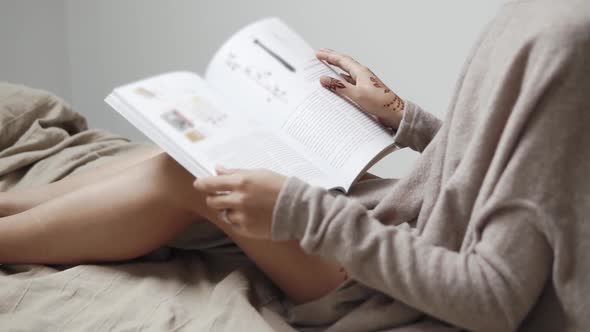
column 260, row 105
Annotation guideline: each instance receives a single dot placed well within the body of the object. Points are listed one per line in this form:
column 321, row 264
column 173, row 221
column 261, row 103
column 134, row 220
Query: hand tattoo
column 375, row 82
column 397, row 104
column 378, row 84
column 334, row 84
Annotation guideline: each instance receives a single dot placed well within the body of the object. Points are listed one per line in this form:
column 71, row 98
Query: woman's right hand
column 362, row 87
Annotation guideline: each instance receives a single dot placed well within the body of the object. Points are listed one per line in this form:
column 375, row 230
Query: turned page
column 270, row 73
column 195, row 126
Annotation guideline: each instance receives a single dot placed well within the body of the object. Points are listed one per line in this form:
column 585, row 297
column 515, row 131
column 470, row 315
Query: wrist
column 393, row 117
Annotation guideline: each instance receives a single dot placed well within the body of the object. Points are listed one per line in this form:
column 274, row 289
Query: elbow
column 500, row 305
column 500, row 314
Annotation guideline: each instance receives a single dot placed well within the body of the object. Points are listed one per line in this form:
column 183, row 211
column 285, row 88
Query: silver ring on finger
column 225, row 217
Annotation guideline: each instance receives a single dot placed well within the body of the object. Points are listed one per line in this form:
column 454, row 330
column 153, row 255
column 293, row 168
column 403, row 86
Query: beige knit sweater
column 499, row 201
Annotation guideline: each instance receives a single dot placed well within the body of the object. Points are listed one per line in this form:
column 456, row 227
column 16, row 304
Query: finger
column 348, row 78
column 221, row 202
column 337, row 86
column 214, row 184
column 341, row 61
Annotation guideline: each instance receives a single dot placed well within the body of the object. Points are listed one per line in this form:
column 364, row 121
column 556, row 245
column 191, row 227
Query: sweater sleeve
column 417, row 128
column 484, row 289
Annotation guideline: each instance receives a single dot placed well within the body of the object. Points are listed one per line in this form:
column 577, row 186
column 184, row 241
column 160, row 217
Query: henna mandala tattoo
column 378, row 84
column 375, row 82
column 334, row 84
column 395, row 105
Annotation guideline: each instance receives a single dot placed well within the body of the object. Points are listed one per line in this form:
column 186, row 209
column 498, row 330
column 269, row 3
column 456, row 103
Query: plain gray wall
column 33, row 45
column 416, row 46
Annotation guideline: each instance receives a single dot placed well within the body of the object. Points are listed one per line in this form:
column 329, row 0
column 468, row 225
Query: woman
column 495, row 205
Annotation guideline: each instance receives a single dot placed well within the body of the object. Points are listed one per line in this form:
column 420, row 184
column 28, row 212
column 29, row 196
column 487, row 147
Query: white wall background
column 81, row 49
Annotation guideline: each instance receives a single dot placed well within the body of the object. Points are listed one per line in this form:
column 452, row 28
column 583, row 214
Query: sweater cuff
column 288, row 218
column 403, row 135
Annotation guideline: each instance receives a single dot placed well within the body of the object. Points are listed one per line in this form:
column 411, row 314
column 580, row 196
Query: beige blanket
column 43, row 140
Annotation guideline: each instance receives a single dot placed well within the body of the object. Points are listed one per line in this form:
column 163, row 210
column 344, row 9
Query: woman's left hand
column 363, row 87
column 248, row 195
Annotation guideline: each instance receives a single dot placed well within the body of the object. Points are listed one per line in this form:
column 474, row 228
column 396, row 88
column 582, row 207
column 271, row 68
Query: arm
column 415, row 127
column 489, row 286
column 484, row 288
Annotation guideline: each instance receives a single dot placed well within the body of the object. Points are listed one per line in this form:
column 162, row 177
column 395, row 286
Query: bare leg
column 301, row 276
column 20, row 200
column 120, row 217
column 139, row 210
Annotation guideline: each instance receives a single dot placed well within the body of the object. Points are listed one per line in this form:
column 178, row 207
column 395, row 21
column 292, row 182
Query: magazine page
column 270, row 73
column 183, row 115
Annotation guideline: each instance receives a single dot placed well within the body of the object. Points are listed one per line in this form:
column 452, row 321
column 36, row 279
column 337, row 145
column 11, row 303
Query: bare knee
column 168, row 180
column 153, row 151
column 164, row 171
